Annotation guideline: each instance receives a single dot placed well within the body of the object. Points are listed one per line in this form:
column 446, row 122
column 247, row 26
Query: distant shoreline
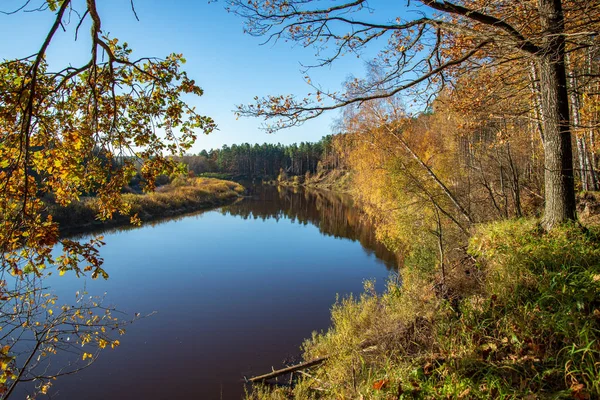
column 178, row 198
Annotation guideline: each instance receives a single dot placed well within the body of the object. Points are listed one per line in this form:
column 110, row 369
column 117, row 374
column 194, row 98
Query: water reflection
column 236, row 291
column 333, row 213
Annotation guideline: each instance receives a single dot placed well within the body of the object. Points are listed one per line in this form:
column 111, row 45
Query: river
column 235, row 290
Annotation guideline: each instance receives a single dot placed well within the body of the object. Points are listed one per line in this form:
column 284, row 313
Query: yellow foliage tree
column 66, row 131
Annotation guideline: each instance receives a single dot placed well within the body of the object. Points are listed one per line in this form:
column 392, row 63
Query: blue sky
column 231, row 67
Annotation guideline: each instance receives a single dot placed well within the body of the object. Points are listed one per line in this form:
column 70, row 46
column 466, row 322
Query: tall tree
column 424, row 55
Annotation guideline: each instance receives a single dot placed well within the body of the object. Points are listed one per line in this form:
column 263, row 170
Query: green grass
column 524, row 324
column 181, row 196
column 217, row 175
column 335, row 180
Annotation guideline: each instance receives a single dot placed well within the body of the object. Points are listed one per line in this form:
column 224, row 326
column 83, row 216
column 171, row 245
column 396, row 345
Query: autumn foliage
column 473, row 116
column 68, row 131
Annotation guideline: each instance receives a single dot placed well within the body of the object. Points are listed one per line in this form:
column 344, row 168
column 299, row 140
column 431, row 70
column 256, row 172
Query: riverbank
column 518, row 319
column 184, row 195
column 335, row 180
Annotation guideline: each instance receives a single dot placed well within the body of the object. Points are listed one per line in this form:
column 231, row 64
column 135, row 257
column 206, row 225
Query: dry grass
column 181, row 196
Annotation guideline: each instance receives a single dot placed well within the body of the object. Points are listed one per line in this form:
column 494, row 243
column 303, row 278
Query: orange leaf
column 381, row 384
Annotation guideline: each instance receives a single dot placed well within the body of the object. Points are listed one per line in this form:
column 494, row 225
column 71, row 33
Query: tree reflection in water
column 333, row 213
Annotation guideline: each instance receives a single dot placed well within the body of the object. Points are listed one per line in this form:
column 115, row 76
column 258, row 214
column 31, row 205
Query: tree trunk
column 432, row 174
column 591, row 161
column 516, row 186
column 439, row 234
column 502, row 189
column 581, row 153
column 535, row 94
column 580, row 140
column 558, row 176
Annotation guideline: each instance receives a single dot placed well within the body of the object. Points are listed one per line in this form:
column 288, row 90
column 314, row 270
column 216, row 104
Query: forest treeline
column 264, row 160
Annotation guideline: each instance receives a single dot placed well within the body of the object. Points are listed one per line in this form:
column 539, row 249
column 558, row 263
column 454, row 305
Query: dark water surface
column 235, row 290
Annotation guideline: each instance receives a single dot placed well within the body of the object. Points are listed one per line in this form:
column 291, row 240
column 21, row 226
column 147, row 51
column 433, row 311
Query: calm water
column 236, row 290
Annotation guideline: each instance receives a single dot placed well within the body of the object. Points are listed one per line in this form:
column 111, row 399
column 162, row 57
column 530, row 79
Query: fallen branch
column 365, row 346
column 288, row 370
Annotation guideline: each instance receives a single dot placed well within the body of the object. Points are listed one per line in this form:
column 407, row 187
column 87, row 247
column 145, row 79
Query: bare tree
column 423, row 55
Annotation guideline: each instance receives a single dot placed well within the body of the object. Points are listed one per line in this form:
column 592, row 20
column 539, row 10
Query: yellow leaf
column 44, row 388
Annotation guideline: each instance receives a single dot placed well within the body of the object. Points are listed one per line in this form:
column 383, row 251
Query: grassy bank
column 336, row 180
column 521, row 319
column 181, row 196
